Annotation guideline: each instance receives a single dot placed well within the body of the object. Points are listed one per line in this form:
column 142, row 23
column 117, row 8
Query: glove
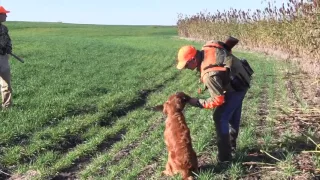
column 8, row 50
column 194, row 102
column 5, row 51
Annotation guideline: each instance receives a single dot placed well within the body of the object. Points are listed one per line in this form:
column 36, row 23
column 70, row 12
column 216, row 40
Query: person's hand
column 190, row 100
column 194, row 102
column 8, row 50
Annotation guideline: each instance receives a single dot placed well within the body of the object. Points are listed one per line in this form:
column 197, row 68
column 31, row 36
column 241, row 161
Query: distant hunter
column 5, row 50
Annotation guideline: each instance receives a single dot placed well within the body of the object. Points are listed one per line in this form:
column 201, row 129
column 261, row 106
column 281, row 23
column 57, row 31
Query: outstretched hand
column 194, row 102
column 190, row 100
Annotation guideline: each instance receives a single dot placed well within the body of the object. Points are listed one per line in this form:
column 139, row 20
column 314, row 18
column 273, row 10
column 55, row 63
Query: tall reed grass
column 293, row 29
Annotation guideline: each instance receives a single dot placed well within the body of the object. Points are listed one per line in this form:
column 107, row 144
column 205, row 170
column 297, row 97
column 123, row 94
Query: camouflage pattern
column 219, row 82
column 5, row 40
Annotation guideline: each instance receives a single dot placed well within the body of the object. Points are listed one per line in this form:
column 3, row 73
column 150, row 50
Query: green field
column 81, row 108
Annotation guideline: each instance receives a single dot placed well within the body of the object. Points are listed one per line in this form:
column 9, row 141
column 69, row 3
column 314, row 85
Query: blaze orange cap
column 3, row 11
column 185, row 54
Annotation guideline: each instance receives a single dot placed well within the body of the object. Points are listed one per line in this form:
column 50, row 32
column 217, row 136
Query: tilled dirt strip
column 263, row 108
column 298, row 121
column 72, row 171
column 301, row 121
column 127, row 150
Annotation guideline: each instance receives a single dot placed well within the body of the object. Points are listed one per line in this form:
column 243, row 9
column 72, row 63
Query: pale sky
column 119, row 12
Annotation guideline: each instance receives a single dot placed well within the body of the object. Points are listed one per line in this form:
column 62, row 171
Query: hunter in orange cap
column 227, row 81
column 5, row 51
column 186, row 54
column 3, row 11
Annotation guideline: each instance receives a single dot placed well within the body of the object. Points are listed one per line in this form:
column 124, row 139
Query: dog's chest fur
column 176, row 132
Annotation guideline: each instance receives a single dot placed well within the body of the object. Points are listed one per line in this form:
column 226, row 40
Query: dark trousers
column 227, row 114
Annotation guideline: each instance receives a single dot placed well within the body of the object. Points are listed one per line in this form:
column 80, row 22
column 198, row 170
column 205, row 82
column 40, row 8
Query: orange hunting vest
column 209, row 61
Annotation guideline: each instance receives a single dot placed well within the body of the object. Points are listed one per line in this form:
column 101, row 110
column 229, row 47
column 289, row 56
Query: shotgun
column 18, row 58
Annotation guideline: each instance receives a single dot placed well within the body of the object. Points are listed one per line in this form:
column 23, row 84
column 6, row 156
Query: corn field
column 293, row 29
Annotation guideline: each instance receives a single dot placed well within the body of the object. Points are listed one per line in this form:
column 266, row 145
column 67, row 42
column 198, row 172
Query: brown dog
column 181, row 156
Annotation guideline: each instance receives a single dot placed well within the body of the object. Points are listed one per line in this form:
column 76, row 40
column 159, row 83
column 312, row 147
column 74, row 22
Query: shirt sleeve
column 9, row 44
column 213, row 82
column 5, row 40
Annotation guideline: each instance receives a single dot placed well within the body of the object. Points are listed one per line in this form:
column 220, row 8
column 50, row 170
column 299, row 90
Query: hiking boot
column 233, row 140
column 224, row 148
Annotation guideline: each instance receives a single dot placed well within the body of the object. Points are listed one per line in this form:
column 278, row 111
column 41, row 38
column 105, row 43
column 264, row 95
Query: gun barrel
column 18, row 58
column 231, row 42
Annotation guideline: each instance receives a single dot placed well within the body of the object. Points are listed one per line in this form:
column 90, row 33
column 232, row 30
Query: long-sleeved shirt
column 217, row 83
column 5, row 40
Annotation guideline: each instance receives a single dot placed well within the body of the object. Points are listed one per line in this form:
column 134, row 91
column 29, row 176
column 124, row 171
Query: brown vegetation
column 292, row 29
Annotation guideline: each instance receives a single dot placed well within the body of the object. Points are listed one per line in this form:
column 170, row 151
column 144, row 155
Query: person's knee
column 222, row 127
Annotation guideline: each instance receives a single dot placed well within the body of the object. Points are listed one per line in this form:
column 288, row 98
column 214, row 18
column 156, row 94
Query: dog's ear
column 157, row 108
